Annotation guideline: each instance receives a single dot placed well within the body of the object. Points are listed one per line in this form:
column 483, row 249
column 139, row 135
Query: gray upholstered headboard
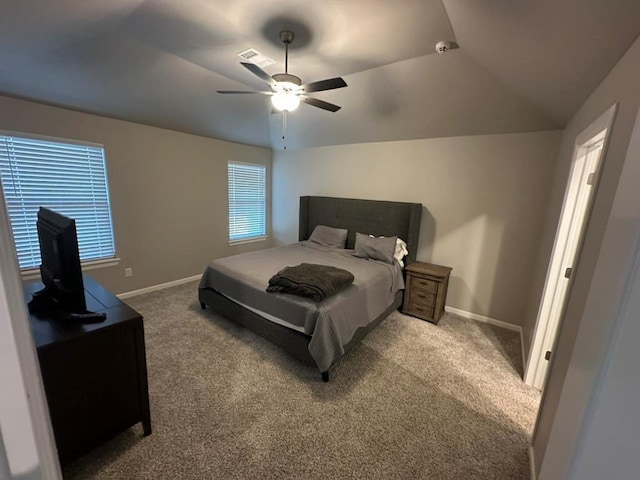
column 372, row 217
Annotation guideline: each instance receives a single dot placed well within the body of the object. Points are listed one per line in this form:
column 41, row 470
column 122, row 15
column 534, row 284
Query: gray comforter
column 331, row 322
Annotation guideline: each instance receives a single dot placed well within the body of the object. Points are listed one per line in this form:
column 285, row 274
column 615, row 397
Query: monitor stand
column 43, row 302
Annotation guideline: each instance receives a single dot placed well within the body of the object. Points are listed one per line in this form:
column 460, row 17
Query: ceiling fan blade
column 243, row 91
column 320, row 103
column 256, row 70
column 328, row 84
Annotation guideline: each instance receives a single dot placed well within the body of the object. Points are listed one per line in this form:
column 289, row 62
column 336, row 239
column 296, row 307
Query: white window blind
column 247, row 201
column 69, row 178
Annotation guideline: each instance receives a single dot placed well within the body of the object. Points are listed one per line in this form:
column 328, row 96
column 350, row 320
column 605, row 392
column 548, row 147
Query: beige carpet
column 414, row 400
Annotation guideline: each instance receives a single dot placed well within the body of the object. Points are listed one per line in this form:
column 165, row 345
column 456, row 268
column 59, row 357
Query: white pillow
column 401, row 251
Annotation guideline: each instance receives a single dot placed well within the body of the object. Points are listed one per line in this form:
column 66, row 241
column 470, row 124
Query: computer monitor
column 60, row 269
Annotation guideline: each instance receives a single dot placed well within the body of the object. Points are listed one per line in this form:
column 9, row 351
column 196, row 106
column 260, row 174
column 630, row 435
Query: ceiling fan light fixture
column 285, row 101
column 285, row 97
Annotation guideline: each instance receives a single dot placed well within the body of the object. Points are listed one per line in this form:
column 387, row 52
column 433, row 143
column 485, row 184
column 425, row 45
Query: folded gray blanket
column 310, row 280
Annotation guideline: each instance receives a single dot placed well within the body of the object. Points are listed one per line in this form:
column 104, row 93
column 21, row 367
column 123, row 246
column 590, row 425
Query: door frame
column 546, row 328
column 28, row 444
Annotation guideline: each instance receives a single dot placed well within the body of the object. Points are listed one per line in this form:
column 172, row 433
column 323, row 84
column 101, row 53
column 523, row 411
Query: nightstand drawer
column 422, row 296
column 423, row 283
column 420, row 311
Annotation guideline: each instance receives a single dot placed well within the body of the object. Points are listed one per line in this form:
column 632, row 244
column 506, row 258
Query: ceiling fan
column 287, row 90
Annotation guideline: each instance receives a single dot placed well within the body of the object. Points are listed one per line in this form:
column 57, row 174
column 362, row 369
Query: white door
column 573, row 219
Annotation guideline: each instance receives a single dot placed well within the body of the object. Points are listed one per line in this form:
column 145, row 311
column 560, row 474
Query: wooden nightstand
column 425, row 290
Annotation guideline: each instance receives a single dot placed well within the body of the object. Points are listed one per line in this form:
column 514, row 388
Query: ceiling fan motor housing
column 287, row 36
column 287, row 77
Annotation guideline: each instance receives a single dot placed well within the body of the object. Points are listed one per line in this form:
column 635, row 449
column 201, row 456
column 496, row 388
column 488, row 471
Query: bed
column 317, row 333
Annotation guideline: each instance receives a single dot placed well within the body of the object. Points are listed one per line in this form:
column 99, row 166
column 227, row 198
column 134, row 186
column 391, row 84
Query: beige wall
column 620, row 86
column 484, row 201
column 168, row 191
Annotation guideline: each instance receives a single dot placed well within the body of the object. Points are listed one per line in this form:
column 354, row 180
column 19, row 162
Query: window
column 69, row 178
column 247, row 201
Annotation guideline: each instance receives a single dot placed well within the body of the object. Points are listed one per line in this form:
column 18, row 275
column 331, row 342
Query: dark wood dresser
column 94, row 374
column 426, row 290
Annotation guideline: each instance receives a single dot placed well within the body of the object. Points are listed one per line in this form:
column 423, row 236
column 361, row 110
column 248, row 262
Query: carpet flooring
column 414, row 400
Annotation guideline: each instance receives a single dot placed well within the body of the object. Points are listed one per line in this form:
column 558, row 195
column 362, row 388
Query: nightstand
column 425, row 290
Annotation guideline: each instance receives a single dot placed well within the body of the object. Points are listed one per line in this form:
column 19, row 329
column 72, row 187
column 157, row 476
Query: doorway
column 581, row 187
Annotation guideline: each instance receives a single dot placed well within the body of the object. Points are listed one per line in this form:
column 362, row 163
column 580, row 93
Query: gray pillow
column 377, row 248
column 329, row 236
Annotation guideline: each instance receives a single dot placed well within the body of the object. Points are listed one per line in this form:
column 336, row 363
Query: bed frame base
column 292, row 341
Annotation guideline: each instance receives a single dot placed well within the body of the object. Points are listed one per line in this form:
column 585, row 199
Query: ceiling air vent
column 255, row 57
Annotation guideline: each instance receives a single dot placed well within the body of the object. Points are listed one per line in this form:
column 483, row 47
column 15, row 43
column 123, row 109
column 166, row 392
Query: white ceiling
column 521, row 66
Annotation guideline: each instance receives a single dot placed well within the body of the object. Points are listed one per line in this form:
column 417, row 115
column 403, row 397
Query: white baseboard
column 161, row 286
column 532, row 463
column 483, row 319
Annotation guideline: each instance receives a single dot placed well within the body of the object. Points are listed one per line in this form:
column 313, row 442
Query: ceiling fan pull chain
column 284, row 128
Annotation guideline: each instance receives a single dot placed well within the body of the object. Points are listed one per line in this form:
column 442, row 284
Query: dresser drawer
column 422, row 296
column 420, row 311
column 423, row 284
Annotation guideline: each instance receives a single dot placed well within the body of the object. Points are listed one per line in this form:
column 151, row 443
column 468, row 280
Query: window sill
column 32, row 273
column 248, row 240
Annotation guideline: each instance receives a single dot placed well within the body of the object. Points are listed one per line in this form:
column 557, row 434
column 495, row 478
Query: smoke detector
column 443, row 47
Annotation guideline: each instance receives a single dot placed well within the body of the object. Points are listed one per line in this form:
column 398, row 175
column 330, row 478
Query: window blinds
column 247, row 201
column 68, row 178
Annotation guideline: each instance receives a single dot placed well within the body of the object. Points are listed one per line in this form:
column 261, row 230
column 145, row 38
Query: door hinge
column 591, row 178
column 547, row 355
column 567, row 272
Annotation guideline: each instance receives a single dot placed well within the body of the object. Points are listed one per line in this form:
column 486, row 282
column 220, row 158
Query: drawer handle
column 419, row 309
column 422, row 296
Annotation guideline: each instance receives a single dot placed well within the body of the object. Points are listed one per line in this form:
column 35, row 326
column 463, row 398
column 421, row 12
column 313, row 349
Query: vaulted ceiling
column 522, row 65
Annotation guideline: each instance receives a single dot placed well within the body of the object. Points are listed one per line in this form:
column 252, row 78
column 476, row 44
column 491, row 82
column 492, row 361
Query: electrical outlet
column 128, row 272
